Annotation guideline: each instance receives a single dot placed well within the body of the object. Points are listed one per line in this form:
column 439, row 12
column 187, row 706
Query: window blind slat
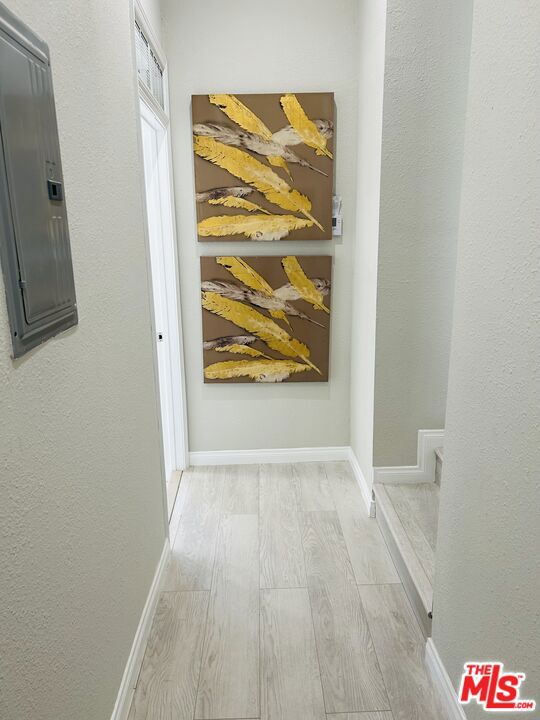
column 149, row 69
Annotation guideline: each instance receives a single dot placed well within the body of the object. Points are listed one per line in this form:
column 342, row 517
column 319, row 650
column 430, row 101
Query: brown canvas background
column 316, row 338
column 317, row 187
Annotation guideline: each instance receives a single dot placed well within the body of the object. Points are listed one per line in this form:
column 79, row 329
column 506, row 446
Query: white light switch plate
column 337, row 219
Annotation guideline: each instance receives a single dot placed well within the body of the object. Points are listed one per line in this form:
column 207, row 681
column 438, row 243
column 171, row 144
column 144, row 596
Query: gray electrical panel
column 34, row 236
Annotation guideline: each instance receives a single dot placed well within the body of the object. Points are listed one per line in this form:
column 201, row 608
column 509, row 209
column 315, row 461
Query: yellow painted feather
column 305, row 127
column 248, row 276
column 246, row 118
column 258, row 370
column 239, row 203
column 256, row 227
column 278, row 161
column 236, row 349
column 242, row 271
column 240, row 114
column 264, row 179
column 300, row 281
column 280, row 315
column 257, row 324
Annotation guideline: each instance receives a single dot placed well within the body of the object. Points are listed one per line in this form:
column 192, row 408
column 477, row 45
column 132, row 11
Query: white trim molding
column 278, row 455
column 134, row 661
column 423, row 471
column 442, row 682
column 367, row 492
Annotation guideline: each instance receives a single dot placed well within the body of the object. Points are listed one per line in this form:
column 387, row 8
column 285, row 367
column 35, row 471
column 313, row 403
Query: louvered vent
column 148, row 67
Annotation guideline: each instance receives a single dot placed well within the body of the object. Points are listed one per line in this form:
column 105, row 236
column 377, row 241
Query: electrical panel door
column 36, row 254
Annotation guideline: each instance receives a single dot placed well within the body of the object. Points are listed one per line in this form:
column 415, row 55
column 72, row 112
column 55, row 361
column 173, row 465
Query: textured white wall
column 370, row 58
column 81, row 514
column 425, row 90
column 487, row 606
column 256, row 47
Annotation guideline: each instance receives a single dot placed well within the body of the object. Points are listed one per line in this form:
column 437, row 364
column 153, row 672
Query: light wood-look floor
column 417, row 507
column 281, row 602
column 172, row 489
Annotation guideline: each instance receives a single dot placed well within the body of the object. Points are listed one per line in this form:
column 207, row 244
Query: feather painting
column 304, row 127
column 244, row 316
column 302, row 284
column 267, row 371
column 255, row 227
column 255, row 156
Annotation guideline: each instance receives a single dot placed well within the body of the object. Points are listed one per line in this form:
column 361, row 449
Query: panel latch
column 55, row 190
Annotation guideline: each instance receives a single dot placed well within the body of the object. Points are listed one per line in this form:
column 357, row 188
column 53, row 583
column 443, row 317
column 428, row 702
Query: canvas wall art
column 264, row 166
column 266, row 319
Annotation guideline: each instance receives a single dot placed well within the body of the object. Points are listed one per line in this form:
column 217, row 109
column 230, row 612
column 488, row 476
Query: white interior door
column 164, row 281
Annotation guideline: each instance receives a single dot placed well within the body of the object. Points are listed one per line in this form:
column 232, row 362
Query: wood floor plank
column 424, row 501
column 167, row 685
column 369, row 554
column 327, row 559
column 400, row 500
column 351, row 678
column 344, row 486
column 314, row 492
column 229, row 679
column 362, row 716
column 281, row 555
column 192, row 554
column 241, row 489
column 400, row 648
column 370, row 558
column 350, row 673
column 290, row 679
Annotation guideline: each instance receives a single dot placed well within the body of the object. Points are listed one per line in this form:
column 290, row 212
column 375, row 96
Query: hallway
column 281, row 601
column 267, row 269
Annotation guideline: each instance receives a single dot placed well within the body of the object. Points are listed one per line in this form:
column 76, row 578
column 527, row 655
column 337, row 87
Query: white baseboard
column 442, row 682
column 366, row 491
column 278, row 455
column 423, row 471
column 133, row 665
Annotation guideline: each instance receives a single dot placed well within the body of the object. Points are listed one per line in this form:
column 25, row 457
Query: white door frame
column 173, row 325
column 159, row 117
